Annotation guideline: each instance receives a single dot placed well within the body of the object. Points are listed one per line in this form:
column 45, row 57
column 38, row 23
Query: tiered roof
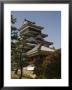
column 39, row 49
column 34, row 38
column 28, row 24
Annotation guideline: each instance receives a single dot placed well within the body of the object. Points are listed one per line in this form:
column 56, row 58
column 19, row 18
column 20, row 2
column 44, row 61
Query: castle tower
column 33, row 38
column 32, row 33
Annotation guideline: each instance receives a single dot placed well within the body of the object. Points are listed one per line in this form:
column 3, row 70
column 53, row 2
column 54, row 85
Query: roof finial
column 29, row 21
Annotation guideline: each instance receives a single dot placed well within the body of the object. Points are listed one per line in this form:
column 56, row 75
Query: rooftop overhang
column 44, row 35
column 39, row 51
column 45, row 42
column 24, row 27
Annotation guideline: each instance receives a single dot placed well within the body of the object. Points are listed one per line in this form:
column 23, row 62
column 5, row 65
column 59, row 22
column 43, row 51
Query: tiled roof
column 39, row 48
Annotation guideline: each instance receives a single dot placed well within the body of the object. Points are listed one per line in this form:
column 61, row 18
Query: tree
column 14, row 30
column 53, row 70
column 14, row 36
column 50, row 67
column 17, row 48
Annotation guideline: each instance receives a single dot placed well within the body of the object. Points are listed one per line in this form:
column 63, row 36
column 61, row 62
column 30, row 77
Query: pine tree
column 14, row 35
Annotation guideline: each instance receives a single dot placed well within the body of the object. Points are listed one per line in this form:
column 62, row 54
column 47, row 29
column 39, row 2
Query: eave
column 39, row 50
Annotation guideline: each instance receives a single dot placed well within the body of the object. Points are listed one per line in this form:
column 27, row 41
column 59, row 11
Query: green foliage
column 13, row 20
column 13, row 28
column 54, row 69
column 18, row 60
column 50, row 67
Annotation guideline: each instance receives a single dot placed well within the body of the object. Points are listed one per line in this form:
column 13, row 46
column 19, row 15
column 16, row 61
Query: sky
column 50, row 20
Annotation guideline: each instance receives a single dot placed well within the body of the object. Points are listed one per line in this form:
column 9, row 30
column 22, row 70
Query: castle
column 35, row 46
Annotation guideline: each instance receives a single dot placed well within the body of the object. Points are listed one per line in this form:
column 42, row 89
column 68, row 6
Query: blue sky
column 50, row 20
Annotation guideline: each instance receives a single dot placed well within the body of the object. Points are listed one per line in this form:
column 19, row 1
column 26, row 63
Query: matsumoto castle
column 35, row 46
